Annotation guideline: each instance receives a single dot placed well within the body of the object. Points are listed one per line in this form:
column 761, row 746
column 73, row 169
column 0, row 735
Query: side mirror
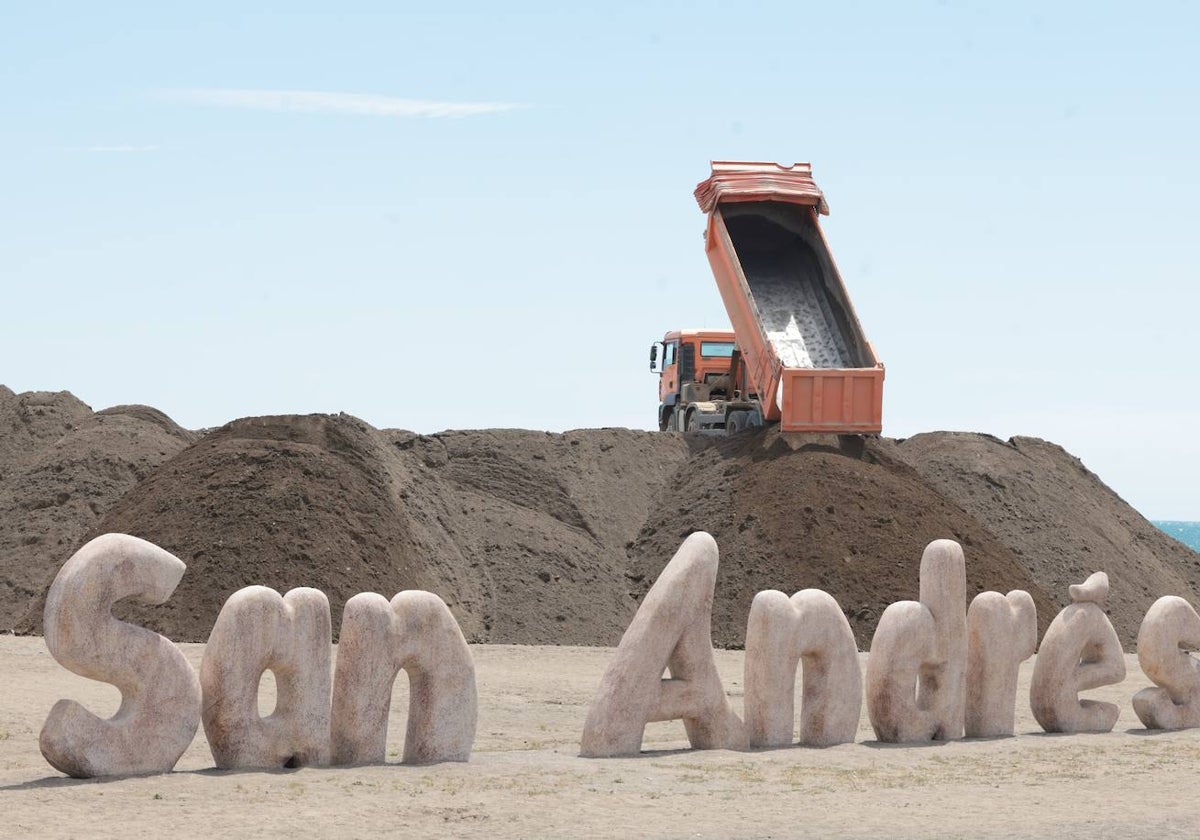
column 655, row 357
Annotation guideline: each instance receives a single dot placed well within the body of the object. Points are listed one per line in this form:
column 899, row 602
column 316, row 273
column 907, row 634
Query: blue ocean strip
column 1187, row 533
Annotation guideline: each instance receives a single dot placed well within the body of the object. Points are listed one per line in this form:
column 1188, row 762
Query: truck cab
column 696, row 378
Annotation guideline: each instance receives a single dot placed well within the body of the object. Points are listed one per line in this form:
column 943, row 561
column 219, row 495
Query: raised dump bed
column 805, row 353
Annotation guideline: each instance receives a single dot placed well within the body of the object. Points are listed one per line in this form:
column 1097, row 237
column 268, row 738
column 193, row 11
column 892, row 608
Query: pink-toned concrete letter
column 1170, row 629
column 417, row 633
column 290, row 635
column 1079, row 651
column 782, row 632
column 160, row 695
column 1001, row 634
column 916, row 670
column 672, row 629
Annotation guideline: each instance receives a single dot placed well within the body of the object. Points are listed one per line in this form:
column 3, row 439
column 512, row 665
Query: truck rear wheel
column 736, row 422
column 689, row 421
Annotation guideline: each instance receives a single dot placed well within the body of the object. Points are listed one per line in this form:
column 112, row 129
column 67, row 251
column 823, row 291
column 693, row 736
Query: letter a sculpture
column 672, row 629
column 259, row 629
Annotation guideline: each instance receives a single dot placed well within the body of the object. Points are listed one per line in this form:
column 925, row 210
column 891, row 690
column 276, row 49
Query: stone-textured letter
column 782, row 632
column 160, row 695
column 258, row 630
column 417, row 633
column 915, row 672
column 1001, row 634
column 672, row 629
column 1170, row 629
column 1079, row 651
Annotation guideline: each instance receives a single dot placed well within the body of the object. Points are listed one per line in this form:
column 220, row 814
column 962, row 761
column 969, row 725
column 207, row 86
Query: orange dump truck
column 797, row 354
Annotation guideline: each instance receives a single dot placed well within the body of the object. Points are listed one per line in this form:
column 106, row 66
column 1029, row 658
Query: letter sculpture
column 1079, row 651
column 415, row 632
column 672, row 629
column 781, row 632
column 915, row 671
column 1001, row 634
column 160, row 694
column 257, row 630
column 1170, row 629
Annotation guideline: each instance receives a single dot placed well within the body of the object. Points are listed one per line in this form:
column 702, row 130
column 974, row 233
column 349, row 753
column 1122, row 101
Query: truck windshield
column 716, row 349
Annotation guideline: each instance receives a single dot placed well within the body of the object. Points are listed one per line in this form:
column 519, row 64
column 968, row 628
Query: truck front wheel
column 672, row 422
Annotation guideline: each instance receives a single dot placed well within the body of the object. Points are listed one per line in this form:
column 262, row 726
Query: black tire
column 689, row 421
column 672, row 424
column 735, row 422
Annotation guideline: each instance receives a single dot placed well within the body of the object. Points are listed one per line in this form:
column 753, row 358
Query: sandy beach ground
column 525, row 779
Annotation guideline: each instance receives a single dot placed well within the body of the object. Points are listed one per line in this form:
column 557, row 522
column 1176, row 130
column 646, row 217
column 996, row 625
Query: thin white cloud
column 119, row 149
column 322, row 102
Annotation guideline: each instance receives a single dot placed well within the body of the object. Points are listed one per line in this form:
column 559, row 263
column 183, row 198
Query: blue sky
column 470, row 217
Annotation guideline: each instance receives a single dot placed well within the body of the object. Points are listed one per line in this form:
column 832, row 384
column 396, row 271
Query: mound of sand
column 522, row 533
column 538, row 538
column 538, row 524
column 61, row 468
column 843, row 515
column 1060, row 520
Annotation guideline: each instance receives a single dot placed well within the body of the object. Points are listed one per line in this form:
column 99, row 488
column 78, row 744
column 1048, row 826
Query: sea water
column 1187, row 533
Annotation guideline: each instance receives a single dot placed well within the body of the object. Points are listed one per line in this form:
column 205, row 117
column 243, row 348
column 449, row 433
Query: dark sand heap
column 1060, row 520
column 847, row 515
column 537, row 538
column 62, row 467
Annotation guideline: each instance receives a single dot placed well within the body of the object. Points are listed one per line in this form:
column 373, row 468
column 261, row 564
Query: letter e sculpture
column 1080, row 651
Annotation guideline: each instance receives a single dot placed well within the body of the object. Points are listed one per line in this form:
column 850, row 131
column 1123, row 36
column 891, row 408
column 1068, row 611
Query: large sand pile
column 522, row 533
column 843, row 515
column 1060, row 520
column 537, row 538
column 61, row 468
